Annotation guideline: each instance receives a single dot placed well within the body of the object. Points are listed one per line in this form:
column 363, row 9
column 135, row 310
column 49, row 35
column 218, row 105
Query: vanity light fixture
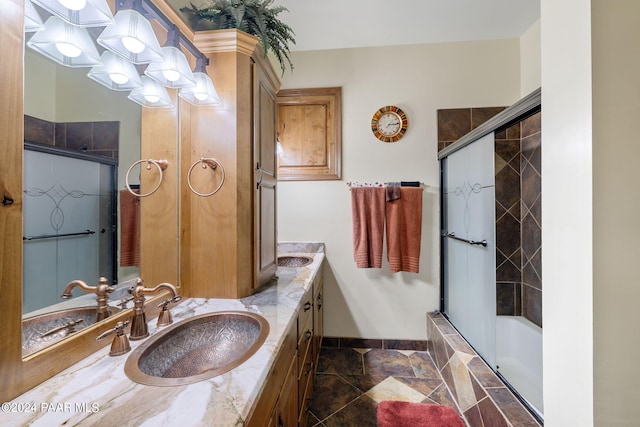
column 32, row 20
column 83, row 13
column 151, row 95
column 115, row 73
column 203, row 93
column 131, row 36
column 65, row 44
column 174, row 72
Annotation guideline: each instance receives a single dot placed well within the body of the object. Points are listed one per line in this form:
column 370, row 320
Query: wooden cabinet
column 228, row 240
column 264, row 155
column 285, row 398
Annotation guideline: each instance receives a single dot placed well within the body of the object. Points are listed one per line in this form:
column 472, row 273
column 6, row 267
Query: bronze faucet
column 139, row 328
column 102, row 291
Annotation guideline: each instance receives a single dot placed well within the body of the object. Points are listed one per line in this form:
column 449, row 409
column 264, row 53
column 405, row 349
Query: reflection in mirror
column 80, row 138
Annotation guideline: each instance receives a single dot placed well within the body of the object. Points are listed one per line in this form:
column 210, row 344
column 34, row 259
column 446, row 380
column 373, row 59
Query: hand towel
column 393, row 191
column 394, row 413
column 404, row 230
column 129, row 229
column 367, row 210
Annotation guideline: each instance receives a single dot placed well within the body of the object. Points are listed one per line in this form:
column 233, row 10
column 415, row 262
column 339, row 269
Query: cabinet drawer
column 306, row 312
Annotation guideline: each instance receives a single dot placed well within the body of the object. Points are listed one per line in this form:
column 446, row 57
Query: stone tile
column 507, row 186
column 392, row 389
column 38, row 130
column 442, row 396
column 331, row 393
column 532, row 124
column 361, row 412
column 79, row 135
column 505, row 299
column 425, row 386
column 512, row 408
column 473, row 417
column 453, row 123
column 490, row 415
column 340, row 361
column 478, row 389
column 364, row 382
column 482, row 114
column 330, row 342
column 508, row 149
column 514, row 131
column 460, row 345
column 387, row 362
column 106, row 135
column 405, row 345
column 360, row 343
column 313, row 421
column 444, row 326
column 532, row 304
column 485, row 376
column 423, row 365
column 465, row 394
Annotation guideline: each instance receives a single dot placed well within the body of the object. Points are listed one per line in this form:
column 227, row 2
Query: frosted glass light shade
column 203, row 93
column 174, row 72
column 83, row 13
column 32, row 20
column 132, row 37
column 115, row 73
column 151, row 94
column 65, row 44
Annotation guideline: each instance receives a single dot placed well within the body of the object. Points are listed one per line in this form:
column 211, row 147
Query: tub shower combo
column 491, row 245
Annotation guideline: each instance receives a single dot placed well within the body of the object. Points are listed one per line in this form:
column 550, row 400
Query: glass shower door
column 468, row 183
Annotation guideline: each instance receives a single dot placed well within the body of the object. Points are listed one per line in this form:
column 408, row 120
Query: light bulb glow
column 68, row 49
column 152, row 98
column 73, row 4
column 119, row 78
column 133, row 45
column 201, row 96
column 171, row 75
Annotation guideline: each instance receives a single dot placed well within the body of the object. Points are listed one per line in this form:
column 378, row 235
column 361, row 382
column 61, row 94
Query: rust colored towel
column 367, row 210
column 393, row 413
column 129, row 229
column 404, row 230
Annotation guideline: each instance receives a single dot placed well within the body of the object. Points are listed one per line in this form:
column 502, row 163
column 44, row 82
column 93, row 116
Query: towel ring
column 160, row 164
column 213, row 164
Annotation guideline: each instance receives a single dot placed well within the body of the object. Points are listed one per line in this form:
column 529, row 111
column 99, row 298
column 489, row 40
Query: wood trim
column 298, row 103
column 11, row 137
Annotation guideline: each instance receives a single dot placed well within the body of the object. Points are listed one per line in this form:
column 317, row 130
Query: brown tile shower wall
column 518, row 210
column 483, row 399
column 92, row 137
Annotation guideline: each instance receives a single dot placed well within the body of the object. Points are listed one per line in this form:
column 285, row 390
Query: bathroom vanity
column 272, row 386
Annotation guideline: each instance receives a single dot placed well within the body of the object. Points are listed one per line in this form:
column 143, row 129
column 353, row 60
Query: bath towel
column 404, row 229
column 367, row 210
column 129, row 229
column 393, row 413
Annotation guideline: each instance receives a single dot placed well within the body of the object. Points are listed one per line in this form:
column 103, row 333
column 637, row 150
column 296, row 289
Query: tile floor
column 351, row 381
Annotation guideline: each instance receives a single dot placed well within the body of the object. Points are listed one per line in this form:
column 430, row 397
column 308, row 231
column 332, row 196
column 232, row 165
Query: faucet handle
column 120, row 344
column 164, row 318
column 123, row 302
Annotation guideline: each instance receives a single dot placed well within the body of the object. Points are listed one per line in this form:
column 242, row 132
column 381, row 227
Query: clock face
column 389, row 124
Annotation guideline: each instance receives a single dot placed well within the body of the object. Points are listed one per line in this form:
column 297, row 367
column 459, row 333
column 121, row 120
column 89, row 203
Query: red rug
column 392, row 413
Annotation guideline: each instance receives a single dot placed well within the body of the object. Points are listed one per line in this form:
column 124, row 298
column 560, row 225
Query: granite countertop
column 96, row 390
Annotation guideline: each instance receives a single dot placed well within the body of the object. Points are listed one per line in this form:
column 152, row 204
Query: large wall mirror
column 79, row 220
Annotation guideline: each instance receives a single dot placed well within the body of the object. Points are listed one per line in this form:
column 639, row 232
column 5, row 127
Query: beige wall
column 419, row 79
column 615, row 31
column 567, row 302
column 530, row 60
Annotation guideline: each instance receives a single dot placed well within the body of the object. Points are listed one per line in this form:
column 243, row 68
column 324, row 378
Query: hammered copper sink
column 43, row 330
column 197, row 348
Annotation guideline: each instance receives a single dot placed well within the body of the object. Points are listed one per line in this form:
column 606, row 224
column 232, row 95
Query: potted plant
column 256, row 17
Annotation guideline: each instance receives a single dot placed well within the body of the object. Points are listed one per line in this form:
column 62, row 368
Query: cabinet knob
column 307, row 306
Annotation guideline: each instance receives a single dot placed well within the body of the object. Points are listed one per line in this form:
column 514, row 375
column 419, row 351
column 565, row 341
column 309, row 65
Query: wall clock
column 389, row 123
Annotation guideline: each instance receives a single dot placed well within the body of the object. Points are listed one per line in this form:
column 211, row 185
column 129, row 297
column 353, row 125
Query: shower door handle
column 482, row 243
